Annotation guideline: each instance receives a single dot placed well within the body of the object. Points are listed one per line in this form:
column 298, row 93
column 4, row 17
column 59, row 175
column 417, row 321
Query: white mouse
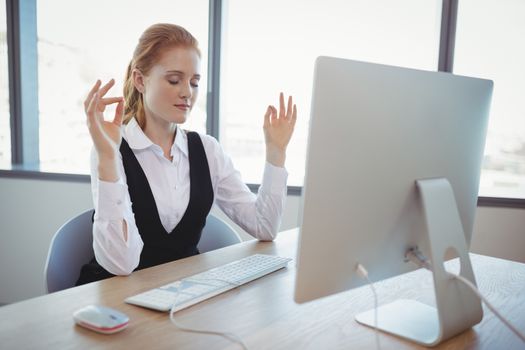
column 101, row 319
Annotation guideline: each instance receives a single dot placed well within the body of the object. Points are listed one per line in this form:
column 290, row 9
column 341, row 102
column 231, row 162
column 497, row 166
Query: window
column 5, row 129
column 80, row 42
column 266, row 47
column 489, row 44
column 270, row 46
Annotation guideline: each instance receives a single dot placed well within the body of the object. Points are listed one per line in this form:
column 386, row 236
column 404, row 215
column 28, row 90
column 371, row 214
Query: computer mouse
column 101, row 319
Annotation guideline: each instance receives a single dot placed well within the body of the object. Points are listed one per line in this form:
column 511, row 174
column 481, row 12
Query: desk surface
column 262, row 312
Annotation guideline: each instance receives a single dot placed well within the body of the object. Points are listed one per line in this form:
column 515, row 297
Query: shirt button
column 119, row 202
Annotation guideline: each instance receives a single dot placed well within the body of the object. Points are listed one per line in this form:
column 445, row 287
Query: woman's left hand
column 278, row 129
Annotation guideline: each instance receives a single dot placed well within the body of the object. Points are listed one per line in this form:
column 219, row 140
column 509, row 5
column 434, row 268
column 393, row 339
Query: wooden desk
column 262, row 312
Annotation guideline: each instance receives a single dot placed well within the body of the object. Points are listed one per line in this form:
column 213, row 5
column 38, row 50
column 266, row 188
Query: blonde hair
column 152, row 43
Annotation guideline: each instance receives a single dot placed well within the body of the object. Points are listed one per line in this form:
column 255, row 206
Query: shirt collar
column 135, row 136
column 138, row 140
column 181, row 142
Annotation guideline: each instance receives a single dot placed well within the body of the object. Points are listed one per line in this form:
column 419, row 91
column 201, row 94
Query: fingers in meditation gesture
column 278, row 129
column 106, row 135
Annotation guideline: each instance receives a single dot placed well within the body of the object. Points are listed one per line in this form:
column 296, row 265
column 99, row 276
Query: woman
column 154, row 183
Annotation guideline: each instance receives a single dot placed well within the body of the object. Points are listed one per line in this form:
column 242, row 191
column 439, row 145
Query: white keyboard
column 194, row 289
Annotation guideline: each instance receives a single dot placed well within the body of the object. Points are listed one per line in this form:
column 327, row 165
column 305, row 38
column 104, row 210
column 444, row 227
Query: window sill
column 516, row 203
column 33, row 172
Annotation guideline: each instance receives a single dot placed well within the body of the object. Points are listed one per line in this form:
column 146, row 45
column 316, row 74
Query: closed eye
column 194, row 84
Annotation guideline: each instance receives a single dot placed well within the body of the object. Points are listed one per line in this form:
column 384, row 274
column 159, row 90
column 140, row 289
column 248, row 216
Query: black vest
column 159, row 245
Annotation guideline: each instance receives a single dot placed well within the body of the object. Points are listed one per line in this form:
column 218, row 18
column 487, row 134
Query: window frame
column 23, row 96
column 23, row 78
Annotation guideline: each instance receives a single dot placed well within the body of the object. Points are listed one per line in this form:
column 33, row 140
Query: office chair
column 217, row 234
column 72, row 247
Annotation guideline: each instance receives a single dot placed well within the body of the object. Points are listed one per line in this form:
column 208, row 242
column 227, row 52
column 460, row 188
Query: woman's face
column 171, row 87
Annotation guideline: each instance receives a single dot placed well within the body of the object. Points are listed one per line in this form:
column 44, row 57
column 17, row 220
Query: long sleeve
column 112, row 208
column 260, row 215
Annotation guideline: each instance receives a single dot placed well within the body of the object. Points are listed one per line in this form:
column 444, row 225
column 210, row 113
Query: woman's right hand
column 106, row 135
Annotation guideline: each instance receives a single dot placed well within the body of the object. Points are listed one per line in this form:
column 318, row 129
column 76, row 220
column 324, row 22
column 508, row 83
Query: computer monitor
column 393, row 162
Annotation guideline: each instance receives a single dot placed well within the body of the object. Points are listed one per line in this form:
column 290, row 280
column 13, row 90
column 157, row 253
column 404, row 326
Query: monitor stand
column 458, row 308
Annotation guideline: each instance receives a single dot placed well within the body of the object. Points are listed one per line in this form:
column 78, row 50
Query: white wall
column 32, row 210
column 30, row 213
column 500, row 232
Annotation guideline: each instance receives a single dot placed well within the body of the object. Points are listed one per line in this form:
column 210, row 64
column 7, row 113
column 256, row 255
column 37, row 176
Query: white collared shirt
column 259, row 215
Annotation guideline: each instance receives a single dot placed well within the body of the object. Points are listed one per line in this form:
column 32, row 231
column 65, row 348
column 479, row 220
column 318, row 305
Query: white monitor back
column 374, row 131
